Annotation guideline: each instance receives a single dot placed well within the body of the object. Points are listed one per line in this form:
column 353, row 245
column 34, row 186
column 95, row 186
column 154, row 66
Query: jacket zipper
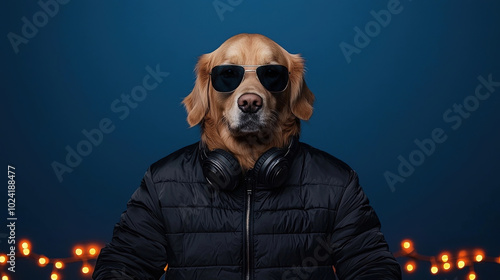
column 247, row 229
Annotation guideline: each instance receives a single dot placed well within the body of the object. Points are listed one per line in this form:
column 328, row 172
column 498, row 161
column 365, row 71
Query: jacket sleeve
column 359, row 249
column 138, row 247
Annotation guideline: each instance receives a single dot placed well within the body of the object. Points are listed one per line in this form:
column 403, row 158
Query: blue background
column 367, row 112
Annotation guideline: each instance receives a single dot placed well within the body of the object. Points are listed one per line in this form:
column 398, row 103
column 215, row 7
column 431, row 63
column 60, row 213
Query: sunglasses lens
column 226, row 78
column 273, row 77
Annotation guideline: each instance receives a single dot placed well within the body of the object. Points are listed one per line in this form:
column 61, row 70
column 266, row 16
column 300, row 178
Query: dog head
column 250, row 118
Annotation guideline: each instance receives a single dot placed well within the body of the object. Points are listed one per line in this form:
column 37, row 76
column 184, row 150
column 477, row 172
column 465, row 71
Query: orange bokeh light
column 78, row 251
column 54, row 276
column 25, row 244
column 43, row 261
column 85, row 269
column 460, row 264
column 59, row 264
column 410, row 266
column 434, row 269
column 407, row 245
column 445, row 257
column 478, row 255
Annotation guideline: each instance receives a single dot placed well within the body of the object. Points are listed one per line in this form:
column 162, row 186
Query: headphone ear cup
column 222, row 170
column 271, row 170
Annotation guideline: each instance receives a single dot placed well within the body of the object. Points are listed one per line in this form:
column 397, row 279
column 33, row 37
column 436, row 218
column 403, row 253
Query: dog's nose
column 250, row 103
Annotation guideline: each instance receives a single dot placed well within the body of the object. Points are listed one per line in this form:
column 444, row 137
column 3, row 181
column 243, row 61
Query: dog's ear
column 197, row 103
column 301, row 98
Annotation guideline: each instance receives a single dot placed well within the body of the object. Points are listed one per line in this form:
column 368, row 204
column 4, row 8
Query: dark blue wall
column 376, row 93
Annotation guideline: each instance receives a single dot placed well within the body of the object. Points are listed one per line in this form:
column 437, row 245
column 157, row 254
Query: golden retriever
column 226, row 120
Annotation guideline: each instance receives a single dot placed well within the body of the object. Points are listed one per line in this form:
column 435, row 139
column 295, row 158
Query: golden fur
column 216, row 111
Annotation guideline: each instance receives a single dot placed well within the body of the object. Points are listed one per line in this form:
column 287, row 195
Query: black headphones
column 223, row 171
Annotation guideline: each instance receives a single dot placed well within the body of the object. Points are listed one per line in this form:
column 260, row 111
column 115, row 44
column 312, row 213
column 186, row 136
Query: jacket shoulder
column 173, row 166
column 320, row 167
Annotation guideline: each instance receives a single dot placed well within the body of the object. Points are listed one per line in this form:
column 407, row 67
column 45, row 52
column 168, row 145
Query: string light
column 445, row 260
column 460, row 264
column 78, row 251
column 434, row 269
column 445, row 257
column 85, row 269
column 43, row 261
column 25, row 244
column 410, row 266
column 59, row 265
column 79, row 255
column 478, row 255
column 407, row 245
column 92, row 251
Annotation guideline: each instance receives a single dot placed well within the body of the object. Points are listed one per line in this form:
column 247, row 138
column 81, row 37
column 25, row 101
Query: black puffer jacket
column 319, row 222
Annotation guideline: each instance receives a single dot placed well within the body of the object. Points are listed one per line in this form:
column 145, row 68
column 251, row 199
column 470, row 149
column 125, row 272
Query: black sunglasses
column 226, row 78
